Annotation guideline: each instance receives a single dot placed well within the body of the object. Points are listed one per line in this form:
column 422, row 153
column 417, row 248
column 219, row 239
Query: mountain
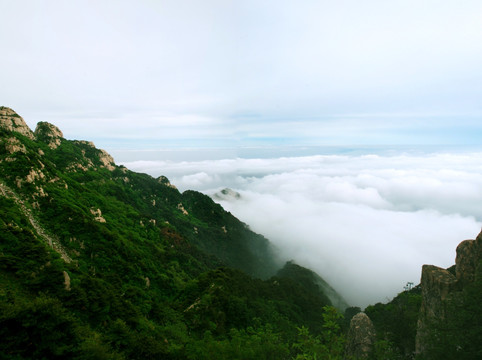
column 313, row 283
column 441, row 318
column 450, row 321
column 99, row 262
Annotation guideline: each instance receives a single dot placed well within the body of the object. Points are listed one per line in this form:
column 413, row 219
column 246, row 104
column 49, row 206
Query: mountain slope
column 101, row 262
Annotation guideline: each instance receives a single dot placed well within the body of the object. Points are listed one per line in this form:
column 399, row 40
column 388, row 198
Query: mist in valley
column 365, row 223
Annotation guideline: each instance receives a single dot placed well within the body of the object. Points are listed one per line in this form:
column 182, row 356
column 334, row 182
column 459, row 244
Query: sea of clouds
column 365, row 223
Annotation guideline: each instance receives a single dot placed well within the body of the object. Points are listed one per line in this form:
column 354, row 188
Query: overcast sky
column 217, row 73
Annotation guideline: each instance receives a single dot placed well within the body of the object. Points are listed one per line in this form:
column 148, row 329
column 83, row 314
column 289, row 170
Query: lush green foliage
column 328, row 345
column 396, row 322
column 150, row 272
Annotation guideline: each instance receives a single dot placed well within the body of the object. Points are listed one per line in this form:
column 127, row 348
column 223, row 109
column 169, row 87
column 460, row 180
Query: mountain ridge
column 103, row 250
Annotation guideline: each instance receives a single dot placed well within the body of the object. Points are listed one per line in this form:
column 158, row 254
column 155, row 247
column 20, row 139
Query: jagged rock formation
column 438, row 286
column 165, row 181
column 11, row 121
column 49, row 134
column 107, row 160
column 442, row 292
column 361, row 337
column 469, row 254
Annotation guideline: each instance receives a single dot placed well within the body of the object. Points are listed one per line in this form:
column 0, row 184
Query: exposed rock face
column 11, row 121
column 469, row 253
column 97, row 215
column 66, row 281
column 361, row 337
column 106, row 160
column 165, row 181
column 437, row 287
column 85, row 142
column 49, row 133
column 13, row 145
column 181, row 207
column 441, row 290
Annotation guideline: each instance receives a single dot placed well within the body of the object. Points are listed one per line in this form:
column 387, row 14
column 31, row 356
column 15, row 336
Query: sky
column 163, row 74
column 296, row 105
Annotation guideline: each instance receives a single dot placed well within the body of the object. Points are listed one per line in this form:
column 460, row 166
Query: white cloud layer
column 365, row 223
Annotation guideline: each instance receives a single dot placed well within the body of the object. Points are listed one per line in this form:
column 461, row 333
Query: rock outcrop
column 360, row 338
column 442, row 291
column 106, row 159
column 97, row 215
column 53, row 137
column 13, row 145
column 49, row 134
column 66, row 281
column 11, row 121
column 469, row 254
column 227, row 194
column 165, row 181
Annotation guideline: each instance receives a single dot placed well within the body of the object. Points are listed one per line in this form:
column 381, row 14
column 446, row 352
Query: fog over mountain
column 365, row 222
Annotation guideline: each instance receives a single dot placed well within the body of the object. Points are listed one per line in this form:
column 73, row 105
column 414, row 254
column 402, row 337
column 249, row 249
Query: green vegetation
column 396, row 322
column 98, row 263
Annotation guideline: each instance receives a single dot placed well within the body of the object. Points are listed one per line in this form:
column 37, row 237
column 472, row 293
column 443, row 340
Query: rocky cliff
column 445, row 300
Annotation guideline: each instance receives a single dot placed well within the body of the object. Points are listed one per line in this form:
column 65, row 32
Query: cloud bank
column 366, row 223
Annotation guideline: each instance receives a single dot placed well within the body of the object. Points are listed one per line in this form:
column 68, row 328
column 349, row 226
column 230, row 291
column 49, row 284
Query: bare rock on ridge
column 11, row 121
column 106, row 159
column 49, row 134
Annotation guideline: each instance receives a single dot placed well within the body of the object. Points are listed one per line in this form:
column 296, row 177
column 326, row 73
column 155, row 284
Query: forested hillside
column 97, row 261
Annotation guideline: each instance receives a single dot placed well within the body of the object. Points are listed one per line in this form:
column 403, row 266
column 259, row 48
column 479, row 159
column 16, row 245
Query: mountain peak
column 11, row 121
column 49, row 133
column 227, row 194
